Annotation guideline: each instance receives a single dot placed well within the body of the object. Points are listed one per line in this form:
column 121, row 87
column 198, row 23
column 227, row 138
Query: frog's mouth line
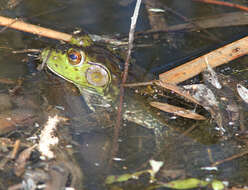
column 78, row 85
column 60, row 75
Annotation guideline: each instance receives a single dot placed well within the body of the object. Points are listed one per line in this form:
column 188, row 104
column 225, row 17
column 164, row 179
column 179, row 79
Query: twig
column 30, row 28
column 224, row 4
column 215, row 58
column 177, row 111
column 42, row 65
column 49, row 33
column 124, row 78
column 27, row 51
column 15, row 149
column 229, row 158
column 140, row 84
column 188, row 131
column 213, row 21
column 177, row 90
column 193, row 23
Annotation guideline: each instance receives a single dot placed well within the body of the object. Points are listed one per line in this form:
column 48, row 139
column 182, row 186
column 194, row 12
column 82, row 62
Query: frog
column 97, row 73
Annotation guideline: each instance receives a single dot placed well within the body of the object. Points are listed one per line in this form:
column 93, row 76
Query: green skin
column 105, row 90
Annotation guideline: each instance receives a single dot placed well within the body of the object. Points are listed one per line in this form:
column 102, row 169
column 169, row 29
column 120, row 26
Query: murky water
column 199, row 149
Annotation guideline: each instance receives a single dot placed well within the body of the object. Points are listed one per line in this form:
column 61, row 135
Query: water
column 198, row 149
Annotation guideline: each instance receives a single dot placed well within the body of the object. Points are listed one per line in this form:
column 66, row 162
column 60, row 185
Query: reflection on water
column 91, row 137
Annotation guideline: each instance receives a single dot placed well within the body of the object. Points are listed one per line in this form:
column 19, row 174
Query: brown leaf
column 22, row 160
column 177, row 110
column 10, row 121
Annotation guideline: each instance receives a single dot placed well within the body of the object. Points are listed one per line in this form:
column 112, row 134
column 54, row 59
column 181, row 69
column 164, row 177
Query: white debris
column 118, row 159
column 47, row 138
column 243, row 92
column 209, row 168
column 156, row 165
column 156, row 10
column 202, row 94
column 69, row 188
column 211, row 76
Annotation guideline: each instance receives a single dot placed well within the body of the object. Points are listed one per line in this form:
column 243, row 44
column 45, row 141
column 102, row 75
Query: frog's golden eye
column 97, row 75
column 75, row 57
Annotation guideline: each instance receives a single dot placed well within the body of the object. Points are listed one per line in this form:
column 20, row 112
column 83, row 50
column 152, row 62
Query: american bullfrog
column 96, row 71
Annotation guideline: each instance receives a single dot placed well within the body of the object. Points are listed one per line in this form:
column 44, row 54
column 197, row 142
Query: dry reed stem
column 215, row 58
column 229, row 158
column 37, row 30
column 15, row 149
column 124, row 78
column 224, row 4
column 177, row 111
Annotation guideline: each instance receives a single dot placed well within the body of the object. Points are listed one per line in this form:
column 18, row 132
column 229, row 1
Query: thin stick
column 27, row 51
column 229, row 158
column 213, row 37
column 224, row 3
column 15, row 149
column 124, row 78
column 30, row 28
column 177, row 90
column 140, row 84
column 7, row 26
column 215, row 58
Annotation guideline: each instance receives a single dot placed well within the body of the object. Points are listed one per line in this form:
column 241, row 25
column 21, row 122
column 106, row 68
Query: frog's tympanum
column 97, row 74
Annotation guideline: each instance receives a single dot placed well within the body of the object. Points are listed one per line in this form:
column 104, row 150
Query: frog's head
column 85, row 68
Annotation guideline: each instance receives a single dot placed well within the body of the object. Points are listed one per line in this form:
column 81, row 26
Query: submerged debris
column 243, row 92
column 210, row 76
column 9, row 4
column 22, row 159
column 47, row 138
column 219, row 99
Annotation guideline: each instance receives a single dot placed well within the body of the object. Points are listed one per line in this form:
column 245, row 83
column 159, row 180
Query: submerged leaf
column 217, row 185
column 177, row 110
column 125, row 177
column 186, row 184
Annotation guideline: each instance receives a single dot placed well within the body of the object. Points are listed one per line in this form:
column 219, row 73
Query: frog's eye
column 75, row 57
column 97, row 75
